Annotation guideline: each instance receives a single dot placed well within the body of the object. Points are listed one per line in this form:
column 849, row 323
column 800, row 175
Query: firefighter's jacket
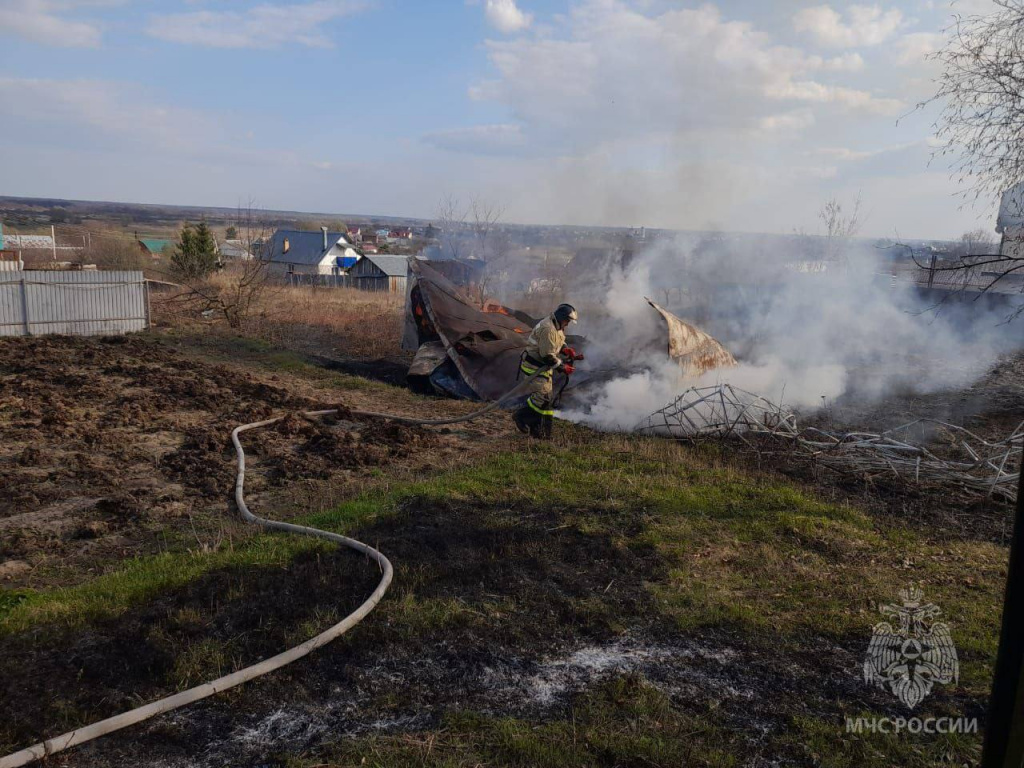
column 544, row 343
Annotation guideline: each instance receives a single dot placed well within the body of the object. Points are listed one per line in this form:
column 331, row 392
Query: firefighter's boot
column 526, row 420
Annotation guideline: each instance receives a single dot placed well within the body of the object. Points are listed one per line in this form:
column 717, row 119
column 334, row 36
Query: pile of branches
column 976, row 465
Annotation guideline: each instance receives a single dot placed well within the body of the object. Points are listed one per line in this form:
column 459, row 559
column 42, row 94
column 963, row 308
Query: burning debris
column 471, row 350
column 695, row 351
column 978, row 466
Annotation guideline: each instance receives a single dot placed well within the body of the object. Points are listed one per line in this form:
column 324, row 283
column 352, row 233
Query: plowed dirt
column 119, row 446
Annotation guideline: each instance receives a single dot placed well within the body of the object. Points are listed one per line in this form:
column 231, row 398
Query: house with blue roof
column 296, row 251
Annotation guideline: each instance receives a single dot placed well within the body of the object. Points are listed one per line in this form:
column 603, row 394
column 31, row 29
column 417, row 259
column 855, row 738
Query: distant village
column 506, row 259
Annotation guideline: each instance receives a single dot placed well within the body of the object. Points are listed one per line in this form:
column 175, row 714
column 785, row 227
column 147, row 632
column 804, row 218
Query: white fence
column 80, row 303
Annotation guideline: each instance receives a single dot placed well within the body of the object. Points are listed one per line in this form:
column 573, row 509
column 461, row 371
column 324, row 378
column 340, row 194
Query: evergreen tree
column 231, row 234
column 195, row 255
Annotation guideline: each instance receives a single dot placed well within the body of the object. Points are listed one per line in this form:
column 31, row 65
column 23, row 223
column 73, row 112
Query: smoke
column 806, row 332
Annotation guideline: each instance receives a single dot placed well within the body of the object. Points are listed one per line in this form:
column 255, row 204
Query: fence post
column 24, row 307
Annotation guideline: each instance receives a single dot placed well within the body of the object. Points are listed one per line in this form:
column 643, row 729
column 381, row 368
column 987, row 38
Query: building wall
column 1012, row 243
column 378, row 283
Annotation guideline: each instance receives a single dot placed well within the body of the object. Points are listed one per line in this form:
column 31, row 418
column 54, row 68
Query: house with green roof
column 154, row 246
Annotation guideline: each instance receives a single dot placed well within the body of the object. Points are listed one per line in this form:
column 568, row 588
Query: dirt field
column 121, row 446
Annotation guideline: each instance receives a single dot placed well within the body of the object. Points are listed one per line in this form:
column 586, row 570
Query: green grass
column 137, row 581
column 759, row 554
column 754, row 555
column 827, row 744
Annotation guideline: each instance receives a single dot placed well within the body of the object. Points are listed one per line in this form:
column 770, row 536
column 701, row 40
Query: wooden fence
column 82, row 303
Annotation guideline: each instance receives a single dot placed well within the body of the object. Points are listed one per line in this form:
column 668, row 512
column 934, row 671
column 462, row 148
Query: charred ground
column 600, row 601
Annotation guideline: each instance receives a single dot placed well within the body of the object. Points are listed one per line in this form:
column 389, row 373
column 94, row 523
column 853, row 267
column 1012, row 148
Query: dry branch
column 976, row 465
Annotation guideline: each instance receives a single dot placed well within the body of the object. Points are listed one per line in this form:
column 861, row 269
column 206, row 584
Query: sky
column 739, row 115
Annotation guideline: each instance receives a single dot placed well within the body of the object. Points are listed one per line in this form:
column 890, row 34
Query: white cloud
column 482, row 139
column 852, row 155
column 787, row 122
column 913, row 49
column 99, row 110
column 505, row 16
column 847, row 98
column 267, row 25
column 41, row 21
column 612, row 72
column 865, row 25
column 847, row 62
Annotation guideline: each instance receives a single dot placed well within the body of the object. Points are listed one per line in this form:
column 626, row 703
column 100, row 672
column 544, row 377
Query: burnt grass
column 457, row 553
column 519, row 586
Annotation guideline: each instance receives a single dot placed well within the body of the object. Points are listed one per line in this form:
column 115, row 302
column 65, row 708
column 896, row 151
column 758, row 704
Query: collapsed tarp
column 468, row 352
column 695, row 351
column 481, row 349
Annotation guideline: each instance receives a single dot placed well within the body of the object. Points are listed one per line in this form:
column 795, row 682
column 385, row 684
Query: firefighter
column 545, row 347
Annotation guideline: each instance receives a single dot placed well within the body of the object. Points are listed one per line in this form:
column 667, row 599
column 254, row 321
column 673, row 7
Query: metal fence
column 390, row 284
column 83, row 303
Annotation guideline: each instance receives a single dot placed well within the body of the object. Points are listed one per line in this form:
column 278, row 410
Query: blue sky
column 737, row 114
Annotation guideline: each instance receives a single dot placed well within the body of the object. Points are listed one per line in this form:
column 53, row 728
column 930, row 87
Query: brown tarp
column 484, row 346
column 695, row 351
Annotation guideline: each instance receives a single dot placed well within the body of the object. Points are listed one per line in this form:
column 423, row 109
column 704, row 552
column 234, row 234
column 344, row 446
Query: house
column 383, row 236
column 355, row 234
column 368, row 248
column 371, row 238
column 294, row 251
column 233, row 250
column 380, row 273
column 402, row 233
column 152, row 246
column 1010, row 222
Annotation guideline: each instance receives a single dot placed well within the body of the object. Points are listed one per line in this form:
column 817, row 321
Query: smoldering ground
column 807, row 331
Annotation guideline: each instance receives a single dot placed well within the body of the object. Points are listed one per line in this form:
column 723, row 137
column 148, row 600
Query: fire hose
column 161, row 706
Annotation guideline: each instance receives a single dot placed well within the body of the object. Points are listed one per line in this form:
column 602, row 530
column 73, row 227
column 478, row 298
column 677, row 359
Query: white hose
column 161, row 706
column 116, row 723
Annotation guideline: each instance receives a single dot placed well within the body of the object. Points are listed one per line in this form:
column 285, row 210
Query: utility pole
column 53, row 241
column 1004, row 734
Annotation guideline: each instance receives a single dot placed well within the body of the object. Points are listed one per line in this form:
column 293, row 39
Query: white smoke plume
column 806, row 333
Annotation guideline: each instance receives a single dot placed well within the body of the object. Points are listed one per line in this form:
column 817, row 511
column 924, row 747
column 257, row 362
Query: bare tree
column 114, row 250
column 450, row 220
column 466, row 230
column 235, row 291
column 977, row 241
column 485, row 217
column 981, row 89
column 840, row 226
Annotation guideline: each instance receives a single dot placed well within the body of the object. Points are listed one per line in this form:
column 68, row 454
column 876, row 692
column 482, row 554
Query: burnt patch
column 382, row 369
column 513, row 611
column 556, row 587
